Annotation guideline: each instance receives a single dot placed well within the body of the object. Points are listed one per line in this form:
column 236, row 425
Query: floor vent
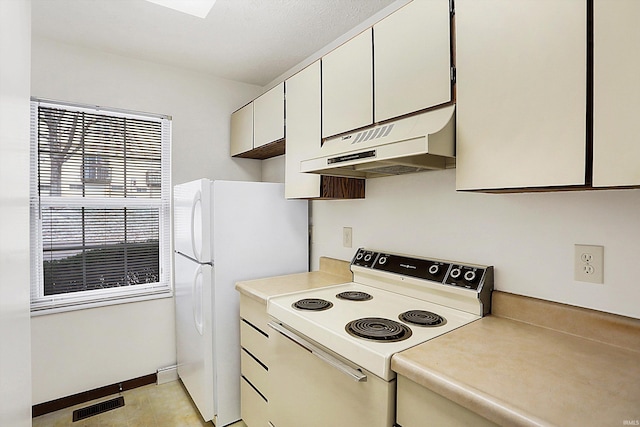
column 98, row 408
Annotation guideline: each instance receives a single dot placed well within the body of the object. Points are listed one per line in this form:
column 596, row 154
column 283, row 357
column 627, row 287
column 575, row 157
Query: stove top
column 382, row 312
column 327, row 327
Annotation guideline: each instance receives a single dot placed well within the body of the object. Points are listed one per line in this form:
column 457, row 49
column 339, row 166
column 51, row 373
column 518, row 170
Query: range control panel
column 445, row 272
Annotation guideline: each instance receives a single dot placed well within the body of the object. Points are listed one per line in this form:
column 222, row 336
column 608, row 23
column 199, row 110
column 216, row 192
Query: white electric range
column 395, row 302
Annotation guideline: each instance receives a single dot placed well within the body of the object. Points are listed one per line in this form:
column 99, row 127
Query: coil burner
column 422, row 318
column 312, row 304
column 378, row 329
column 354, row 296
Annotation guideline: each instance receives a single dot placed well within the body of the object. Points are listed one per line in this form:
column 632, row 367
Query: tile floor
column 165, row 405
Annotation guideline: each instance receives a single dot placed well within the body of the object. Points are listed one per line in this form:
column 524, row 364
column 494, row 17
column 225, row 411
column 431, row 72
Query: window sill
column 73, row 306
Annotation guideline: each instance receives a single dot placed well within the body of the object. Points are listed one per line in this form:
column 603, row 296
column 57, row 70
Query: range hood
column 417, row 143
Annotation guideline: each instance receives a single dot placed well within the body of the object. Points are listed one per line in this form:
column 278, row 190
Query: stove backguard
column 464, row 286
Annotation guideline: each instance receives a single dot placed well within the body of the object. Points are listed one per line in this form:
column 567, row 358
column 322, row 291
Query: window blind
column 100, row 205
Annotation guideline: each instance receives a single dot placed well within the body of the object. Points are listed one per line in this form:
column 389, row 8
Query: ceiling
column 252, row 41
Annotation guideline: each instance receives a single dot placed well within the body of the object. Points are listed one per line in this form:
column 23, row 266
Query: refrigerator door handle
column 196, row 199
column 197, row 301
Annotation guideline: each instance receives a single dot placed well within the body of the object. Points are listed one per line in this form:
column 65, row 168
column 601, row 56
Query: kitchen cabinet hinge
column 453, row 74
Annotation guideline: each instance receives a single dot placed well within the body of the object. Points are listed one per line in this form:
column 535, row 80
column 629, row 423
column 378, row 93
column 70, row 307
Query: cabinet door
column 412, row 59
column 347, row 86
column 616, row 92
column 303, row 131
column 268, row 117
column 242, row 130
column 521, row 93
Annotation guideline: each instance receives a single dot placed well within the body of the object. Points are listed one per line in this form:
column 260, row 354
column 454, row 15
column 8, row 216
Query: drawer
column 255, row 372
column 254, row 312
column 253, row 406
column 255, row 342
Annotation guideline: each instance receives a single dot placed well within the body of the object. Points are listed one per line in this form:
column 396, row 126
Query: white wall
column 273, row 169
column 86, row 349
column 15, row 342
column 82, row 350
column 200, row 105
column 529, row 238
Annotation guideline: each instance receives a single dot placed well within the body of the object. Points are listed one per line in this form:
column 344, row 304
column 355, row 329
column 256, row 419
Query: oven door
column 313, row 387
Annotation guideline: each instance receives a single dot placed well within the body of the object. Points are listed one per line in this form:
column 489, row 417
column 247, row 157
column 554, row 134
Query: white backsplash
column 528, row 237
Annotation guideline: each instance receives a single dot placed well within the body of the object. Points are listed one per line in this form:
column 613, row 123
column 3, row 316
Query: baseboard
column 96, row 393
column 168, row 374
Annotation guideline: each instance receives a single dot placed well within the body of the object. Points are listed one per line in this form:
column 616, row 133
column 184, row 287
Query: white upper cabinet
column 347, row 86
column 258, row 128
column 303, row 131
column 402, row 64
column 412, row 59
column 616, row 128
column 521, row 93
column 268, row 120
column 242, row 130
column 303, row 142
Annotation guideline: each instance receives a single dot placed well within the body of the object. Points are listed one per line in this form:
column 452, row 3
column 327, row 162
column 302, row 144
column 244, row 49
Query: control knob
column 434, row 269
column 456, row 273
column 382, row 260
column 359, row 256
column 470, row 276
column 367, row 257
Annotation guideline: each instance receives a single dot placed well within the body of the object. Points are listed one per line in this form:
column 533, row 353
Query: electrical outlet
column 589, row 264
column 347, row 236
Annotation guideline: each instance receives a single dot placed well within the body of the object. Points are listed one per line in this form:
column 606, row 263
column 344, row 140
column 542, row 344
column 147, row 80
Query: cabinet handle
column 354, row 374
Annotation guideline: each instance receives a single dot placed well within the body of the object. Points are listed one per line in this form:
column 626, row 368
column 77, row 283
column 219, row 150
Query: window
column 100, row 206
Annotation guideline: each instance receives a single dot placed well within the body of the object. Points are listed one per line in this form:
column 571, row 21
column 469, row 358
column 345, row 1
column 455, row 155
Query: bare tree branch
column 64, row 141
column 83, row 134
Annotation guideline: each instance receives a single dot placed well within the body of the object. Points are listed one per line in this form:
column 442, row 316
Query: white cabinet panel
column 254, row 407
column 412, row 59
column 521, row 93
column 256, row 373
column 616, row 140
column 417, row 404
column 255, row 356
column 254, row 312
column 303, row 131
column 255, row 342
column 347, row 86
column 242, row 130
column 268, row 120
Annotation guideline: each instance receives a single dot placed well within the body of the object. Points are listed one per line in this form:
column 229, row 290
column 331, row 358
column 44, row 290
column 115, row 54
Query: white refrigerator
column 226, row 231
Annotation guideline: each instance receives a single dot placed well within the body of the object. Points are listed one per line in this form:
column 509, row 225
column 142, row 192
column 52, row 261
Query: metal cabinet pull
column 354, row 374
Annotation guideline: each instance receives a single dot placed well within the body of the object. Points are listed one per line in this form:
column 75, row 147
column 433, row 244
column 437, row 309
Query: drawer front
column 255, row 372
column 255, row 342
column 254, row 312
column 254, row 407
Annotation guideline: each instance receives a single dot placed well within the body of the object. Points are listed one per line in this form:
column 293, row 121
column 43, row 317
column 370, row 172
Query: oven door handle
column 355, row 374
